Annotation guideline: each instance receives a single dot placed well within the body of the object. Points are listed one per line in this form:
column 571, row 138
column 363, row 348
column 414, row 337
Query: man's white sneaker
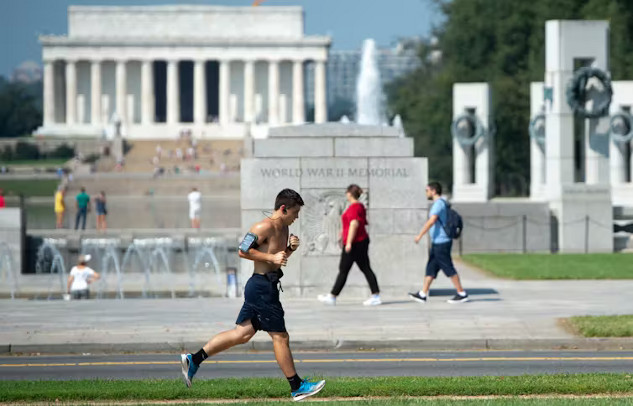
column 373, row 301
column 327, row 299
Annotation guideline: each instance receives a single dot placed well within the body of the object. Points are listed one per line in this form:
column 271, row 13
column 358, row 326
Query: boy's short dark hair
column 288, row 198
column 435, row 186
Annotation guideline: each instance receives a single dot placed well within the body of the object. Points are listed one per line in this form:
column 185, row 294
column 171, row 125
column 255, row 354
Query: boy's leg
column 283, row 355
column 241, row 334
column 299, row 388
column 223, row 341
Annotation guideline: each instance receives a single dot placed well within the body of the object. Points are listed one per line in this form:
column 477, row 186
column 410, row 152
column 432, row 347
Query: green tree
column 503, row 43
column 20, row 108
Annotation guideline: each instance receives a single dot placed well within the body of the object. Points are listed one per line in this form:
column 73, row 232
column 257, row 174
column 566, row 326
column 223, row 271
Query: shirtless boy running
column 268, row 245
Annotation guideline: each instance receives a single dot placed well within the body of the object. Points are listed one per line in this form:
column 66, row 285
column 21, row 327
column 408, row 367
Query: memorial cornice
column 309, row 41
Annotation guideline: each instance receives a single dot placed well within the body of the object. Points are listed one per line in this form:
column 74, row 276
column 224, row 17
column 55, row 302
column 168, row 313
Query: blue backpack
column 454, row 224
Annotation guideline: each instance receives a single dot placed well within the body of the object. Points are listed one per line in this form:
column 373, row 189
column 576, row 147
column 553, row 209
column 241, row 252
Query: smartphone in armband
column 249, row 241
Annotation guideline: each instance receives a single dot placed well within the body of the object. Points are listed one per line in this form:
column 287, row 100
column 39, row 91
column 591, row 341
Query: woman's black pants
column 359, row 255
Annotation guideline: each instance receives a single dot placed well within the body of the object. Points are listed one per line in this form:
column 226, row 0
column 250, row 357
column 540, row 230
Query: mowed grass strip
column 262, row 388
column 554, row 266
column 30, row 187
column 37, row 163
column 603, row 326
column 450, row 402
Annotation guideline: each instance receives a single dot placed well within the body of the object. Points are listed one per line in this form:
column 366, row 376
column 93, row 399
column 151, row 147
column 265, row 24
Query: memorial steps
column 210, row 155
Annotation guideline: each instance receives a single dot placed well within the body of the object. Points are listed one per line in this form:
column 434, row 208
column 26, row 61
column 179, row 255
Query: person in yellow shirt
column 60, row 207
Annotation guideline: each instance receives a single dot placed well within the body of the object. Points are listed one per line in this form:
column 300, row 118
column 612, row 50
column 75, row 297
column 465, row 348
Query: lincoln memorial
column 157, row 70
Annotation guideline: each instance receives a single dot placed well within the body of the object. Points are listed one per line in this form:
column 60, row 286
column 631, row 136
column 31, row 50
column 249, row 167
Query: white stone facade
column 213, row 70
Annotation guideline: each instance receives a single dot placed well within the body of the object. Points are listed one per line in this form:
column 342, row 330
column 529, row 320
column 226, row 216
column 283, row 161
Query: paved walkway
column 502, row 315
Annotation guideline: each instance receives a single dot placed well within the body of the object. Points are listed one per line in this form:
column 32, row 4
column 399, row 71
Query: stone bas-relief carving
column 321, row 221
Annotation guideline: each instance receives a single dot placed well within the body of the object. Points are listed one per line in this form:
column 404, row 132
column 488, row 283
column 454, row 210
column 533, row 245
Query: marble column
column 49, row 93
column 147, row 92
column 121, row 91
column 298, row 103
column 173, row 93
column 71, row 92
column 225, row 84
column 249, row 91
column 320, row 99
column 273, row 92
column 200, row 92
column 95, row 93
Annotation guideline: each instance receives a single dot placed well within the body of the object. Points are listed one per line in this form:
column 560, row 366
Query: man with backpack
column 443, row 225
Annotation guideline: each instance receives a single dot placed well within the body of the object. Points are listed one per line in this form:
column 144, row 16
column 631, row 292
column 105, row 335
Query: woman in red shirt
column 355, row 242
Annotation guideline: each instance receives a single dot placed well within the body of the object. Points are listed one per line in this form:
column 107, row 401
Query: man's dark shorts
column 440, row 258
column 261, row 303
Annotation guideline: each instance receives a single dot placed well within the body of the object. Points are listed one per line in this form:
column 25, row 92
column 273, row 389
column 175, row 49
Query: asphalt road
column 320, row 364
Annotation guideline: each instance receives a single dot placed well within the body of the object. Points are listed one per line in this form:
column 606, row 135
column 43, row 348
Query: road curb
column 591, row 344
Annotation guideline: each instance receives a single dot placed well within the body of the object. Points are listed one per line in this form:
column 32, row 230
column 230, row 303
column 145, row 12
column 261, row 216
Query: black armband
column 249, row 241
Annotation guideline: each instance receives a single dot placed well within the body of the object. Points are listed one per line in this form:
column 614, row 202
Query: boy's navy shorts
column 261, row 303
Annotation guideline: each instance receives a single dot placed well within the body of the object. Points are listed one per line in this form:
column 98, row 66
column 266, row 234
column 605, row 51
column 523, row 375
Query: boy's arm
column 262, row 231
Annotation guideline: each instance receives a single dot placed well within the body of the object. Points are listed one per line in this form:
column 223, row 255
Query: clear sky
column 348, row 22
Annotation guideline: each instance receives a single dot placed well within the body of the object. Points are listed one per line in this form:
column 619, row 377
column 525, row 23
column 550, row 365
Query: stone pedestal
column 10, row 246
column 319, row 164
column 585, row 218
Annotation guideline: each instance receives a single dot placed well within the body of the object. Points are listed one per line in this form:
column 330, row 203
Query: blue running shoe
column 189, row 369
column 306, row 389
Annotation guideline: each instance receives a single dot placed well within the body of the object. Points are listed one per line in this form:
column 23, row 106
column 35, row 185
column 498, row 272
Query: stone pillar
column 95, row 93
column 473, row 98
column 199, row 93
column 537, row 150
column 320, row 98
column 49, row 93
column 249, row 91
column 273, row 92
column 225, row 84
column 121, row 91
column 173, row 93
column 71, row 92
column 147, row 92
column 568, row 42
column 298, row 103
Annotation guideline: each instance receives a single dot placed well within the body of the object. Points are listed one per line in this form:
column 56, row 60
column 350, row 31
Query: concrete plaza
column 502, row 315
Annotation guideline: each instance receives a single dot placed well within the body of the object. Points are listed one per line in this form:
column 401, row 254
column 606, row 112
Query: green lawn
column 603, row 326
column 455, row 402
column 31, row 187
column 38, row 163
column 267, row 388
column 554, row 266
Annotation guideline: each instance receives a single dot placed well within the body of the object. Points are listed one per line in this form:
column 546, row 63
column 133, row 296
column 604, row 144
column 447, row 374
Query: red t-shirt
column 356, row 211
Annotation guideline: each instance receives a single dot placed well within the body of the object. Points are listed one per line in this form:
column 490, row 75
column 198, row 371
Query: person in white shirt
column 80, row 277
column 195, row 206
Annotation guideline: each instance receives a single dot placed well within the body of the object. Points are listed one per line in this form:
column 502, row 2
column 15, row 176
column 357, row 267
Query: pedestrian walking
column 441, row 245
column 355, row 246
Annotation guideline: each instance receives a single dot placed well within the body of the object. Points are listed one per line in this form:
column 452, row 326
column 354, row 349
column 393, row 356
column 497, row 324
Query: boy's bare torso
column 276, row 241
